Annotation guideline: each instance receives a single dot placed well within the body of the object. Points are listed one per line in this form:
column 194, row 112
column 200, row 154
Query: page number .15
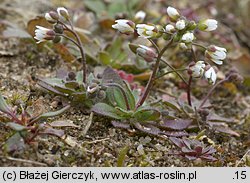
column 240, row 175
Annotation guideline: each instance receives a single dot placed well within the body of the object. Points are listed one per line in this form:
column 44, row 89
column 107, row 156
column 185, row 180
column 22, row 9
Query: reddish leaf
column 149, row 129
column 177, row 141
column 52, row 131
column 178, row 124
column 225, row 129
column 119, row 124
column 64, row 123
column 175, row 133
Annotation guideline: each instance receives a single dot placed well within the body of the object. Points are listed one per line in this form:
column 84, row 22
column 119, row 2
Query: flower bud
column 147, row 53
column 173, row 14
column 216, row 54
column 63, row 12
column 57, row 39
column 180, row 25
column 58, row 28
column 71, row 76
column 169, row 29
column 207, row 25
column 140, row 16
column 124, row 26
column 188, row 37
column 101, row 94
column 191, row 26
column 51, row 17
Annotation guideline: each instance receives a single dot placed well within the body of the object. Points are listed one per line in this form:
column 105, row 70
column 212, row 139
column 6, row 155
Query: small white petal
column 180, row 25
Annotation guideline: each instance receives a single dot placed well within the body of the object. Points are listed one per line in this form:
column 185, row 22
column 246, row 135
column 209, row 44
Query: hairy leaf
column 52, row 131
column 147, row 114
column 107, row 110
column 15, row 126
column 105, row 58
column 174, row 133
column 14, row 143
column 178, row 124
column 64, row 123
column 149, row 129
column 130, row 96
column 51, row 114
column 4, row 106
column 120, row 124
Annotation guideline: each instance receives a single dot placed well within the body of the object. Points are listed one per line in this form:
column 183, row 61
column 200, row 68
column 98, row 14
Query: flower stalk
column 80, row 46
column 152, row 77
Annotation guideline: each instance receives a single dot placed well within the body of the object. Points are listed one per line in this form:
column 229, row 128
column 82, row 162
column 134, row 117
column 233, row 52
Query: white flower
column 124, row 26
column 208, row 25
column 146, row 31
column 173, row 13
column 216, row 54
column 188, row 37
column 169, row 28
column 140, row 16
column 180, row 25
column 145, row 52
column 44, row 34
column 210, row 75
column 63, row 12
column 198, row 69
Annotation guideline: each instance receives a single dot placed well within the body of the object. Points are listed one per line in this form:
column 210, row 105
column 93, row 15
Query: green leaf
column 125, row 113
column 115, row 49
column 130, row 96
column 105, row 58
column 51, row 114
column 172, row 104
column 79, row 77
column 15, row 126
column 95, row 5
column 116, row 7
column 147, row 114
column 118, row 97
column 71, row 84
column 122, row 156
column 4, row 106
column 90, row 78
column 107, row 110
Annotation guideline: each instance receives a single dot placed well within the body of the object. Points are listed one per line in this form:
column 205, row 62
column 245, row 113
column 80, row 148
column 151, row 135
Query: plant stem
column 178, row 74
column 80, row 48
column 165, row 62
column 190, row 80
column 210, row 92
column 151, row 79
column 72, row 40
column 175, row 71
column 197, row 44
column 189, row 91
